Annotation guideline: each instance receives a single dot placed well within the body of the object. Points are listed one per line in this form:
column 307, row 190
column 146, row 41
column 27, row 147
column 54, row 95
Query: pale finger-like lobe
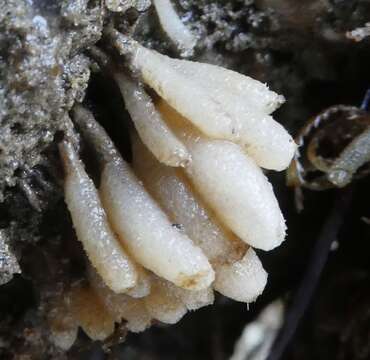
column 236, row 188
column 182, row 94
column 253, row 92
column 91, row 224
column 153, row 131
column 174, row 28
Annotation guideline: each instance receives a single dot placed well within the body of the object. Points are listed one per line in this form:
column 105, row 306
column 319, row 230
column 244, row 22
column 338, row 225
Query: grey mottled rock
column 8, row 262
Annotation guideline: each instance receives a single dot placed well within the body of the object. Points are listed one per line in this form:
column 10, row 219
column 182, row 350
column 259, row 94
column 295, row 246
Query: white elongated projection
column 216, row 110
column 253, row 92
column 154, row 132
column 232, row 184
column 239, row 272
column 91, row 224
column 238, row 191
column 139, row 222
column 181, row 93
column 174, row 27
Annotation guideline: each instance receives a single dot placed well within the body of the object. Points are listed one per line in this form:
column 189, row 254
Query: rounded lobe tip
column 243, row 280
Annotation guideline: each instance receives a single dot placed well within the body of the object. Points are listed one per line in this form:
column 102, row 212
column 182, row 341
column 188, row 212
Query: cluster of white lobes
column 161, row 234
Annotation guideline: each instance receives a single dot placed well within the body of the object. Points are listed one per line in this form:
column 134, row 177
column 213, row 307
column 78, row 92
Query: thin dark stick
column 318, row 258
column 365, row 101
